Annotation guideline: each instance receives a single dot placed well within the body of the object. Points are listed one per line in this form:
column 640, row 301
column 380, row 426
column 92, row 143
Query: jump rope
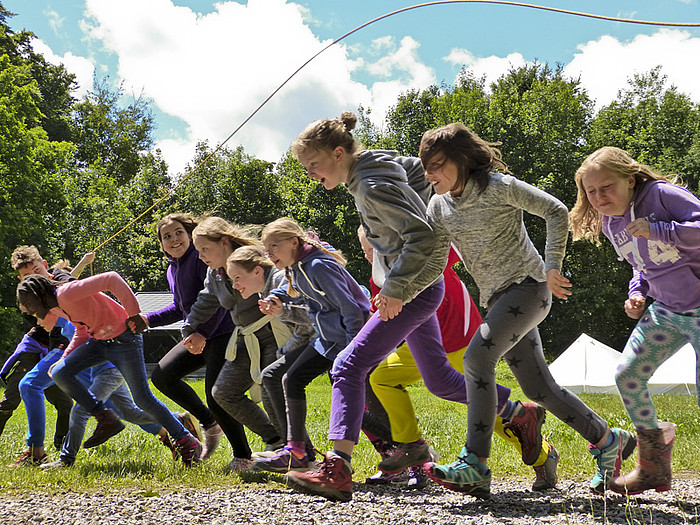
column 355, row 30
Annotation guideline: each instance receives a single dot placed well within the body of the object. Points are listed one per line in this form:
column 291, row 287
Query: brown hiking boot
column 190, row 449
column 332, row 480
column 108, row 425
column 27, row 459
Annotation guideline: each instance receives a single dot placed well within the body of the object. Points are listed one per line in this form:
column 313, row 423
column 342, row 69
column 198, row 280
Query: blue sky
column 206, row 66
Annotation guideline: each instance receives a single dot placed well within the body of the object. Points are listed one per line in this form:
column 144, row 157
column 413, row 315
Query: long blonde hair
column 215, row 228
column 328, row 134
column 585, row 221
column 248, row 257
column 286, row 228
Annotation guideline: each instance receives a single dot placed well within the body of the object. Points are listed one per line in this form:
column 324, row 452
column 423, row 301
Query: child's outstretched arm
column 271, row 305
column 87, row 259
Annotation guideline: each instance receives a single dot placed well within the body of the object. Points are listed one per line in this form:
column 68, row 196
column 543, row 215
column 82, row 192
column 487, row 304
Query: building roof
column 152, row 301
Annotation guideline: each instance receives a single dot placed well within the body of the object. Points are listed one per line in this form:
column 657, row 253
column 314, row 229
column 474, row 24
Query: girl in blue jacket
column 338, row 309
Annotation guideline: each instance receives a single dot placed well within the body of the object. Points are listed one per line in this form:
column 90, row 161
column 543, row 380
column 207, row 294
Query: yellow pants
column 389, row 381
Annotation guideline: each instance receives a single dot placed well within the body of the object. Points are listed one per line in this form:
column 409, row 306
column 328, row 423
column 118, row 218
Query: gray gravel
column 511, row 503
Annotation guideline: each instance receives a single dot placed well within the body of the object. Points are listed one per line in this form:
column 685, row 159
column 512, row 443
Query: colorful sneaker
column 168, row 443
column 212, row 438
column 108, row 425
column 283, row 461
column 546, row 473
column 406, row 455
column 417, row 479
column 527, row 427
column 332, row 480
column 190, row 449
column 465, row 475
column 191, row 424
column 609, row 459
column 237, row 465
column 27, row 459
column 59, row 464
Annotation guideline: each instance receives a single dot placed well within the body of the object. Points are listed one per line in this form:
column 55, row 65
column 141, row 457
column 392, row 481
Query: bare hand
column 639, row 228
column 195, row 343
column 635, row 306
column 136, row 323
column 558, row 284
column 271, row 305
column 387, row 307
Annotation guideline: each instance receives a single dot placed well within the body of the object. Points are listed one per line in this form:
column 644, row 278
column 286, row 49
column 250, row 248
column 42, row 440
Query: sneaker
column 609, row 459
column 527, row 427
column 283, row 461
column 56, row 465
column 546, row 473
column 382, row 478
column 465, row 475
column 417, row 479
column 237, row 465
column 332, row 480
column 27, row 459
column 168, row 443
column 108, row 425
column 406, row 455
column 191, row 424
column 212, row 438
column 190, row 449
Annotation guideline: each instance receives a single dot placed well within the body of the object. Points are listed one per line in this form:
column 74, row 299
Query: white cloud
column 605, row 65
column 491, row 67
column 213, row 70
column 81, row 67
column 55, row 20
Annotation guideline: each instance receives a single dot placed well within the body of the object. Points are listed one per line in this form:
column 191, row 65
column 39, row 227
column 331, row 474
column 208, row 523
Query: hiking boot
column 168, row 443
column 546, row 473
column 191, row 424
column 27, row 459
column 190, row 449
column 527, row 427
column 59, row 464
column 283, row 461
column 108, row 425
column 239, row 465
column 332, row 480
column 212, row 438
column 417, row 479
column 610, row 458
column 465, row 475
column 406, row 455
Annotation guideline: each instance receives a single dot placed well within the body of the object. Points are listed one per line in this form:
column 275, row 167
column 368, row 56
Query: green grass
column 136, row 460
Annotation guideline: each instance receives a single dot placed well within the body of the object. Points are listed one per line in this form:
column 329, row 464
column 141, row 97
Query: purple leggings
column 417, row 324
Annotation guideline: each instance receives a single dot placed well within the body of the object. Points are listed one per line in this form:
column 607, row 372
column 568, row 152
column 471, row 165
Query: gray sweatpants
column 510, row 330
column 234, row 381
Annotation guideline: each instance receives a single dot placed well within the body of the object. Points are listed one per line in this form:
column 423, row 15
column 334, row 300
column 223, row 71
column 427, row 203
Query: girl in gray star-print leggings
column 481, row 212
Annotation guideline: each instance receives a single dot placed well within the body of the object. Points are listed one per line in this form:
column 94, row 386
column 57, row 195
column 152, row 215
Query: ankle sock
column 609, row 441
column 298, row 448
column 510, row 410
column 346, row 457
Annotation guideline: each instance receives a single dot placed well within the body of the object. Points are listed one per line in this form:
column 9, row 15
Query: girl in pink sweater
column 106, row 330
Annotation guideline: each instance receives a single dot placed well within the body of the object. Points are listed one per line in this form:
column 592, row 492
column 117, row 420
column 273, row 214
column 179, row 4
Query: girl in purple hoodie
column 186, row 274
column 655, row 225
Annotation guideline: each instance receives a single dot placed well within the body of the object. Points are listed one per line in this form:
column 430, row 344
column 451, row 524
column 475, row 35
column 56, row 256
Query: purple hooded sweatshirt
column 186, row 278
column 667, row 265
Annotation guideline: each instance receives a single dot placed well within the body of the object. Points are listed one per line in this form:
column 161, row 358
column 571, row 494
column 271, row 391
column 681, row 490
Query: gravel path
column 511, row 503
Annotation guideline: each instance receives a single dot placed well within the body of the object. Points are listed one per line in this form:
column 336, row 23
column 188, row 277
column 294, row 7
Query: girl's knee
column 158, row 378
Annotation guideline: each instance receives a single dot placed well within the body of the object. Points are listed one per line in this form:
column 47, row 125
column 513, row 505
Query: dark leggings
column 179, row 362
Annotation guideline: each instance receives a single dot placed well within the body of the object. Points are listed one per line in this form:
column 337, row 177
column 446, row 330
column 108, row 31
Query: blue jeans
column 107, row 384
column 32, row 387
column 126, row 353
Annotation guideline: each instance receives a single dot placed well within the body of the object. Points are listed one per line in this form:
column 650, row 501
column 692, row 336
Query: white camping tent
column 589, row 366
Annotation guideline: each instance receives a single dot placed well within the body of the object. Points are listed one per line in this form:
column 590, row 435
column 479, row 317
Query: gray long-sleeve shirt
column 489, row 232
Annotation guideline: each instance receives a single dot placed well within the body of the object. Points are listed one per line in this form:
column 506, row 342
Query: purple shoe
column 282, row 461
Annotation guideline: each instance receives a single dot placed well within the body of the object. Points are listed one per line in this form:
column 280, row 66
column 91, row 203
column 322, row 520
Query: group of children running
column 267, row 315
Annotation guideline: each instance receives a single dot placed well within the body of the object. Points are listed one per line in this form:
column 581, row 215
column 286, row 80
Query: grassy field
column 136, row 460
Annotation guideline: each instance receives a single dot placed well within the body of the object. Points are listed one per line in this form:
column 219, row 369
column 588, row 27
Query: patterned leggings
column 659, row 334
